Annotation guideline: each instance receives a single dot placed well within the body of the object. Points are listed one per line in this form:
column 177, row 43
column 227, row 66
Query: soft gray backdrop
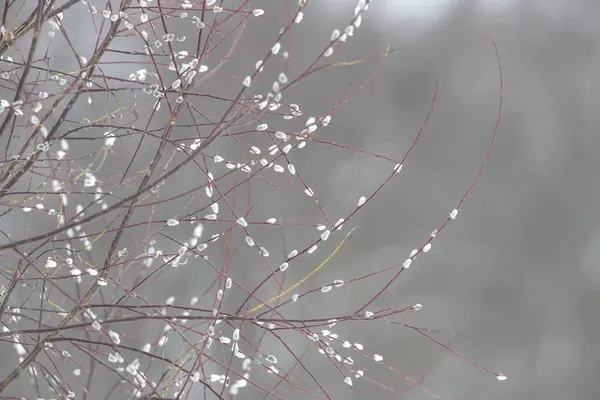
column 514, row 282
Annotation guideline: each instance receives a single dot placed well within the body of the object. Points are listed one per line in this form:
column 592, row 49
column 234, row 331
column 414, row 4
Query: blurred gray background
column 514, row 282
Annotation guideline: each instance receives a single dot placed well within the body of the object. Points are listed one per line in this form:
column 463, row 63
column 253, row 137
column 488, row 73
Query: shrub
column 147, row 153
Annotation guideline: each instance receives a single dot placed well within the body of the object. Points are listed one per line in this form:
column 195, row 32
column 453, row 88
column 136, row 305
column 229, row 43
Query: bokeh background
column 514, row 282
